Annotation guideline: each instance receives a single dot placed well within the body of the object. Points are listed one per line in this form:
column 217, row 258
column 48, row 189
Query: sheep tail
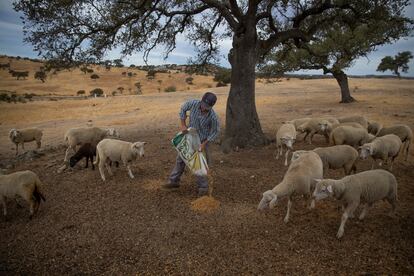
column 37, row 194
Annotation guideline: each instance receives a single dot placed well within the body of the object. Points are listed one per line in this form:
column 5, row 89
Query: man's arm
column 214, row 132
column 184, row 108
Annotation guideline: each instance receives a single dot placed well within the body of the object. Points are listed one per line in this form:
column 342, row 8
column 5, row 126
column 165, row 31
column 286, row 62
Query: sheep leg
column 39, row 143
column 108, row 168
column 101, row 169
column 23, row 146
column 392, row 162
column 17, row 148
column 32, row 207
column 349, row 210
column 93, row 166
column 311, row 137
column 364, row 211
column 306, row 135
column 289, row 205
column 393, row 202
column 67, row 153
column 312, row 203
column 277, row 152
column 129, row 170
column 87, row 162
column 3, row 202
column 286, row 156
column 326, row 137
column 407, row 149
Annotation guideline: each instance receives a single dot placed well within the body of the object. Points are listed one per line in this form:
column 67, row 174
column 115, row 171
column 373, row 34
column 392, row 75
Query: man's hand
column 184, row 129
column 202, row 146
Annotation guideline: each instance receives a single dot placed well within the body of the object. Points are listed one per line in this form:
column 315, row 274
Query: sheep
column 86, row 150
column 403, row 131
column 83, row 135
column 25, row 184
column 297, row 122
column 20, row 136
column 116, row 151
column 366, row 187
column 356, row 118
column 285, row 136
column 312, row 126
column 348, row 135
column 374, row 127
column 336, row 157
column 384, row 148
column 327, row 127
column 299, row 179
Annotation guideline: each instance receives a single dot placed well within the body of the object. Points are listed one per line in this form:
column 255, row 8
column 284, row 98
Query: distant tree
column 94, row 77
column 90, row 71
column 151, row 74
column 339, row 45
column 80, row 92
column 189, row 80
column 98, row 92
column 40, row 75
column 171, row 88
column 130, row 74
column 396, row 63
column 84, row 69
column 223, row 76
column 118, row 63
column 132, row 66
column 121, row 89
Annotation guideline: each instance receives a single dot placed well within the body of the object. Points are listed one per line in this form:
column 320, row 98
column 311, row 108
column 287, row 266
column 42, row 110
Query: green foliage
column 171, row 88
column 151, row 74
column 223, row 76
column 98, row 92
column 394, row 64
column 80, row 92
column 220, row 84
column 189, row 80
column 118, row 63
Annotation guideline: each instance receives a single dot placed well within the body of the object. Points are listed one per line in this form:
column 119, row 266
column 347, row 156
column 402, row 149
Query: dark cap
column 208, row 100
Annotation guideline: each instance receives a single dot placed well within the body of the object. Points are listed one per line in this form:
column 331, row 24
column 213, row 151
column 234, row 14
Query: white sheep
column 403, row 131
column 111, row 150
column 297, row 122
column 285, row 137
column 83, row 135
column 374, row 127
column 312, row 127
column 355, row 118
column 348, row 135
column 20, row 136
column 327, row 127
column 366, row 187
column 298, row 180
column 385, row 148
column 336, row 157
column 25, row 184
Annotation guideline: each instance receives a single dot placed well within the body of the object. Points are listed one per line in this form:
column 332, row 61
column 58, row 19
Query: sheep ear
column 330, row 189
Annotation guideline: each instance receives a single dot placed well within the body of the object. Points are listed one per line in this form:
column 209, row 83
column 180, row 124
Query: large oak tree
column 85, row 30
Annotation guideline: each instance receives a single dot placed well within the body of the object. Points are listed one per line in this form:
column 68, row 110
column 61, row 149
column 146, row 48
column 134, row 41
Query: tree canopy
column 394, row 64
column 71, row 30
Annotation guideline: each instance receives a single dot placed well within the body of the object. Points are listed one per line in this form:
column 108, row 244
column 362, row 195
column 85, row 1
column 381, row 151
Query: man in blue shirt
column 205, row 121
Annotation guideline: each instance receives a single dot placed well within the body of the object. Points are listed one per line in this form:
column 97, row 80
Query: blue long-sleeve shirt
column 206, row 124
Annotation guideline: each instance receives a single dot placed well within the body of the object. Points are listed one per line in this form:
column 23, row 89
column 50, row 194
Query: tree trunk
column 342, row 80
column 242, row 122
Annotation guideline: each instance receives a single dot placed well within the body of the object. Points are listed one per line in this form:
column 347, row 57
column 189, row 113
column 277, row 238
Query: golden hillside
column 68, row 82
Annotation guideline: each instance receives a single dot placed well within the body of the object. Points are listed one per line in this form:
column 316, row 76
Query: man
column 205, row 121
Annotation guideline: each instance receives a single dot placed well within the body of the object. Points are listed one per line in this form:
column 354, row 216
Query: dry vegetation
column 129, row 226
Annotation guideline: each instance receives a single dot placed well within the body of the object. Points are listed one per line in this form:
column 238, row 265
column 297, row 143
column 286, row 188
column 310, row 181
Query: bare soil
column 129, row 226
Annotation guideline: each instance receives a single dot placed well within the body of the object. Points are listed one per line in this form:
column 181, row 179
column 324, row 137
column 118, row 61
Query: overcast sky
column 11, row 43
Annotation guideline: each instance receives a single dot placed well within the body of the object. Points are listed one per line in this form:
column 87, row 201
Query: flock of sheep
column 304, row 174
column 348, row 135
column 93, row 141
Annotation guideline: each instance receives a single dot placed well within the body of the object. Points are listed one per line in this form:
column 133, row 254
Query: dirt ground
column 129, row 226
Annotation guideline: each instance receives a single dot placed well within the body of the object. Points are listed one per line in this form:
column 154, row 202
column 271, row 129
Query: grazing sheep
column 86, row 150
column 298, row 180
column 25, row 184
column 297, row 122
column 325, row 126
column 384, row 148
column 285, row 137
column 20, row 136
column 403, row 131
column 117, row 151
column 366, row 187
column 336, row 157
column 348, row 135
column 374, row 127
column 83, row 135
column 312, row 127
column 356, row 118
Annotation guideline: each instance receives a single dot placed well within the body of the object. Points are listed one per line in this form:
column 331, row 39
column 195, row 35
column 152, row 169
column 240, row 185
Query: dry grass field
column 129, row 226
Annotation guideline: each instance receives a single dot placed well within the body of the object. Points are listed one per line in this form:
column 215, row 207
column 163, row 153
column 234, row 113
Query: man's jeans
column 202, row 181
